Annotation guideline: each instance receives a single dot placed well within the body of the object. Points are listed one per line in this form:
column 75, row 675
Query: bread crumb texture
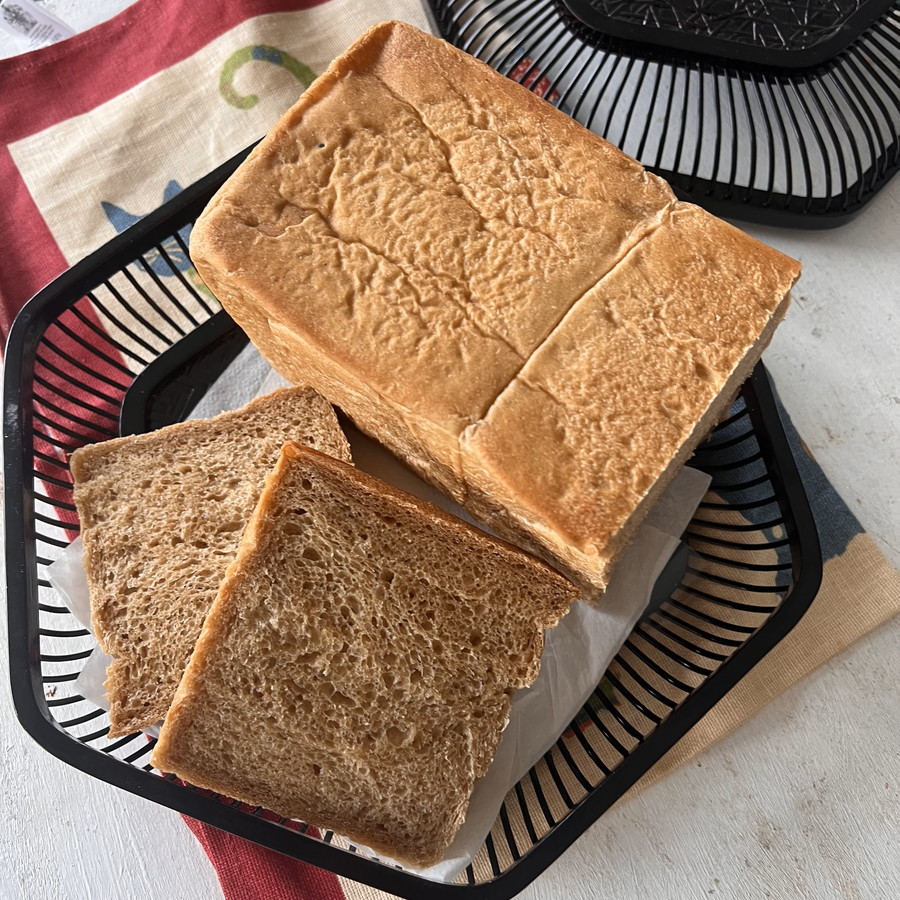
column 357, row 667
column 518, row 309
column 161, row 518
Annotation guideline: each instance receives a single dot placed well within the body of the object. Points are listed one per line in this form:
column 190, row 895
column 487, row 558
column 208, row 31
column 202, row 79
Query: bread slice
column 357, row 667
column 416, row 206
column 416, row 237
column 161, row 518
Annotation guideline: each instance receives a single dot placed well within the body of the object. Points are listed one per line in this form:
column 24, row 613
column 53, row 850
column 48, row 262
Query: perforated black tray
column 789, row 33
column 130, row 335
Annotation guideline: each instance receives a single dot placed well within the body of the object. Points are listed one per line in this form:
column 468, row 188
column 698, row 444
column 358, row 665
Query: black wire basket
column 129, row 339
column 803, row 147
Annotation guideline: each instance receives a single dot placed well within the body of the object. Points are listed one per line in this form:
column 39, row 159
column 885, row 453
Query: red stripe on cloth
column 249, row 872
column 79, row 383
column 31, row 259
column 31, row 256
column 67, row 79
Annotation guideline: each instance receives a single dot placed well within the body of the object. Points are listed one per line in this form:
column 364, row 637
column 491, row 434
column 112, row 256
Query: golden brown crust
column 424, row 264
column 419, row 236
column 614, row 402
column 358, row 664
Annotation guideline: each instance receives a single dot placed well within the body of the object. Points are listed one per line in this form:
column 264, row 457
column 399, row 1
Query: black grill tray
column 764, row 32
column 748, row 567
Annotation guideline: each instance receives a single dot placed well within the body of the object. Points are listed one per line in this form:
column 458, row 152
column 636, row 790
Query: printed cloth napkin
column 97, row 131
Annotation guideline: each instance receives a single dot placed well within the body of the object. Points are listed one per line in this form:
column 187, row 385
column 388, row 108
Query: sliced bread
column 357, row 667
column 161, row 517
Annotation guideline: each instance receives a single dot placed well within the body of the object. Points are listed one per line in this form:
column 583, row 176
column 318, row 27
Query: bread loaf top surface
column 161, row 517
column 357, row 667
column 436, row 212
column 621, row 384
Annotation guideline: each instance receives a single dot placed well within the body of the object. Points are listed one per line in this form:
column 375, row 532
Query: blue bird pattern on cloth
column 173, row 255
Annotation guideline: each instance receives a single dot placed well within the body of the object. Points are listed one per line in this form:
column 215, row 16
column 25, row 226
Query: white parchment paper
column 576, row 653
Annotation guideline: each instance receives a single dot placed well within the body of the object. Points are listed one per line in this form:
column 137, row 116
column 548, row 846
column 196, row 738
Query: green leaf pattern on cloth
column 262, row 53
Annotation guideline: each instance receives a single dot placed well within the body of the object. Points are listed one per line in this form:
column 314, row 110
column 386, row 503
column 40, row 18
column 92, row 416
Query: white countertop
column 802, row 802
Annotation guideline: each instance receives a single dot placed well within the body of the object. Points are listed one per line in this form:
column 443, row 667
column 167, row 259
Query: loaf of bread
column 161, row 517
column 357, row 667
column 517, row 309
